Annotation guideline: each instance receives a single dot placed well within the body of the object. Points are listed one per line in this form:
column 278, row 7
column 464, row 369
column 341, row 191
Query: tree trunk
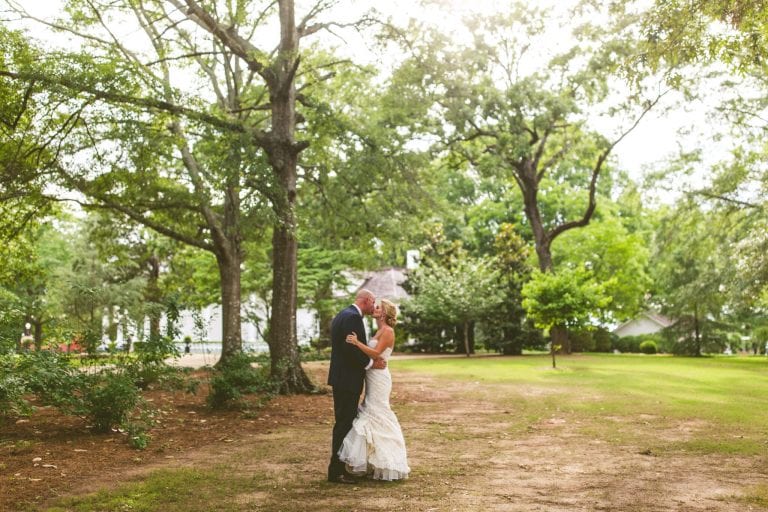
column 324, row 317
column 466, row 336
column 696, row 331
column 112, row 328
column 152, row 295
column 231, row 330
column 283, row 156
column 560, row 338
column 37, row 325
column 283, row 345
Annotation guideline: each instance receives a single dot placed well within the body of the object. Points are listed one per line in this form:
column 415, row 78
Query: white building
column 647, row 322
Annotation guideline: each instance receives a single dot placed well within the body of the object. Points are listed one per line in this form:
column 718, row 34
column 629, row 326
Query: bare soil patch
column 468, row 447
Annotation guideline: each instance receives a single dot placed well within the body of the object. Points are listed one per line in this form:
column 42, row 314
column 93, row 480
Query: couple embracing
column 367, row 440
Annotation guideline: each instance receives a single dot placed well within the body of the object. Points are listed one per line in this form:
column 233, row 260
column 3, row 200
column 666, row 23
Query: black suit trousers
column 345, row 404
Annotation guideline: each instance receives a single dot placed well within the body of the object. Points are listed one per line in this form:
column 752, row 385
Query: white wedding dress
column 375, row 445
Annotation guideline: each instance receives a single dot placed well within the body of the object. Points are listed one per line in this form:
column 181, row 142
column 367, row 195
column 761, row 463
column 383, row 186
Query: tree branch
column 125, row 99
column 105, row 201
column 727, row 199
column 228, row 36
column 590, row 210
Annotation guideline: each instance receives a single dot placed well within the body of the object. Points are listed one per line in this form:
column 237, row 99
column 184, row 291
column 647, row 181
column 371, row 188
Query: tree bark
column 466, row 336
column 152, row 295
column 231, row 330
column 325, row 317
column 37, row 325
column 696, row 330
column 283, row 154
column 560, row 338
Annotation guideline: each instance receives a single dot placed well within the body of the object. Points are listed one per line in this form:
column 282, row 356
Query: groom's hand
column 379, row 364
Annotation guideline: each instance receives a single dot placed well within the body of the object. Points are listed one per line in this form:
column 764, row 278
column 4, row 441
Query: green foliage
column 617, row 258
column 603, row 339
column 237, row 378
column 569, row 298
column 648, row 347
column 631, row 344
column 52, row 379
column 694, row 336
column 12, row 390
column 508, row 330
column 148, row 373
column 458, row 292
column 582, row 341
column 137, row 425
column 107, row 399
column 156, row 350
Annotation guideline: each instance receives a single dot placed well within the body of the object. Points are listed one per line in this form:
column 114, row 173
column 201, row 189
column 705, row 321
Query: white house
column 647, row 322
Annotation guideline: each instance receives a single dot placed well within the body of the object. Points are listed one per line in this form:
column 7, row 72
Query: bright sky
column 650, row 143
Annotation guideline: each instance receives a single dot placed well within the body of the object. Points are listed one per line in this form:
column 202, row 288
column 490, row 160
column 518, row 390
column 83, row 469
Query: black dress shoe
column 343, row 479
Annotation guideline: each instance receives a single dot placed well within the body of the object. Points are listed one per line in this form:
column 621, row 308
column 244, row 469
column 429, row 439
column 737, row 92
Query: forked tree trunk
column 283, row 154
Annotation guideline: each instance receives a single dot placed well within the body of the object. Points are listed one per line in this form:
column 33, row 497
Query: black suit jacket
column 347, row 361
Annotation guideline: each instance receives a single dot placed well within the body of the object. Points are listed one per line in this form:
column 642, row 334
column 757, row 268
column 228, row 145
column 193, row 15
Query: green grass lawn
column 724, row 398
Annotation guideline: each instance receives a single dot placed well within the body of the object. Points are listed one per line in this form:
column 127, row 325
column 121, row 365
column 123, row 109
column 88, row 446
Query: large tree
column 192, row 131
column 692, row 272
column 509, row 104
column 722, row 45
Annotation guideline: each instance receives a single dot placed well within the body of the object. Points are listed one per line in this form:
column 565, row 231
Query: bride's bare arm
column 386, row 340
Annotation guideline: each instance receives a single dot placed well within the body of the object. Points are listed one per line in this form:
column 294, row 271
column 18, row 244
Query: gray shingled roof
column 385, row 284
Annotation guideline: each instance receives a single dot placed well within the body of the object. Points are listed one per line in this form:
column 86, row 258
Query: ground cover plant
column 601, row 432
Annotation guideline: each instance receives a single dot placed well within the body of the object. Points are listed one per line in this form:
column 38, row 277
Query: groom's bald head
column 365, row 300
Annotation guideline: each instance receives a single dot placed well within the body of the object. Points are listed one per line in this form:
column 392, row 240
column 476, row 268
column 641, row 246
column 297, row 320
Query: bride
column 375, row 445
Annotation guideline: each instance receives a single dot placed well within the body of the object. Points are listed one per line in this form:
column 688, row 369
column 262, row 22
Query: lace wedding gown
column 375, row 444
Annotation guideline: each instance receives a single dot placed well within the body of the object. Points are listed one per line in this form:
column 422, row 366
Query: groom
column 346, row 376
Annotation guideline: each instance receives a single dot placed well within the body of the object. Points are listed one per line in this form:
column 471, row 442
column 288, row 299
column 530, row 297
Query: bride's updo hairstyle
column 390, row 312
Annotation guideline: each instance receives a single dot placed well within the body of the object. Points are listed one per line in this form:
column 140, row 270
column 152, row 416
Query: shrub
column 108, row 399
column 12, row 390
column 603, row 341
column 156, row 349
column 137, row 427
column 648, row 347
column 148, row 373
column 229, row 383
column 632, row 343
column 52, row 379
column 581, row 341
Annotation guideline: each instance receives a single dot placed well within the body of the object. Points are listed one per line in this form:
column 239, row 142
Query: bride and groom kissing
column 367, row 439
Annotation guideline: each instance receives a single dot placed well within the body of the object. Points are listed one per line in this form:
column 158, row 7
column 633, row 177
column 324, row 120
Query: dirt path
column 469, row 449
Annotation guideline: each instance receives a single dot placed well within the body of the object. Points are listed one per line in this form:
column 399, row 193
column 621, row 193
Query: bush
column 52, row 379
column 229, row 383
column 648, row 347
column 107, row 399
column 581, row 341
column 12, row 391
column 632, row 343
column 146, row 374
column 603, row 340
column 156, row 350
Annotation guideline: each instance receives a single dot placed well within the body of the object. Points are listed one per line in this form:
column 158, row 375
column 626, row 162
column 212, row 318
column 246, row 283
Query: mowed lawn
column 601, row 432
column 726, row 398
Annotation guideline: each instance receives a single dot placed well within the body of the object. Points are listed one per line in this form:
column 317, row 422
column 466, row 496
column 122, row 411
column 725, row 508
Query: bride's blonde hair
column 390, row 312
